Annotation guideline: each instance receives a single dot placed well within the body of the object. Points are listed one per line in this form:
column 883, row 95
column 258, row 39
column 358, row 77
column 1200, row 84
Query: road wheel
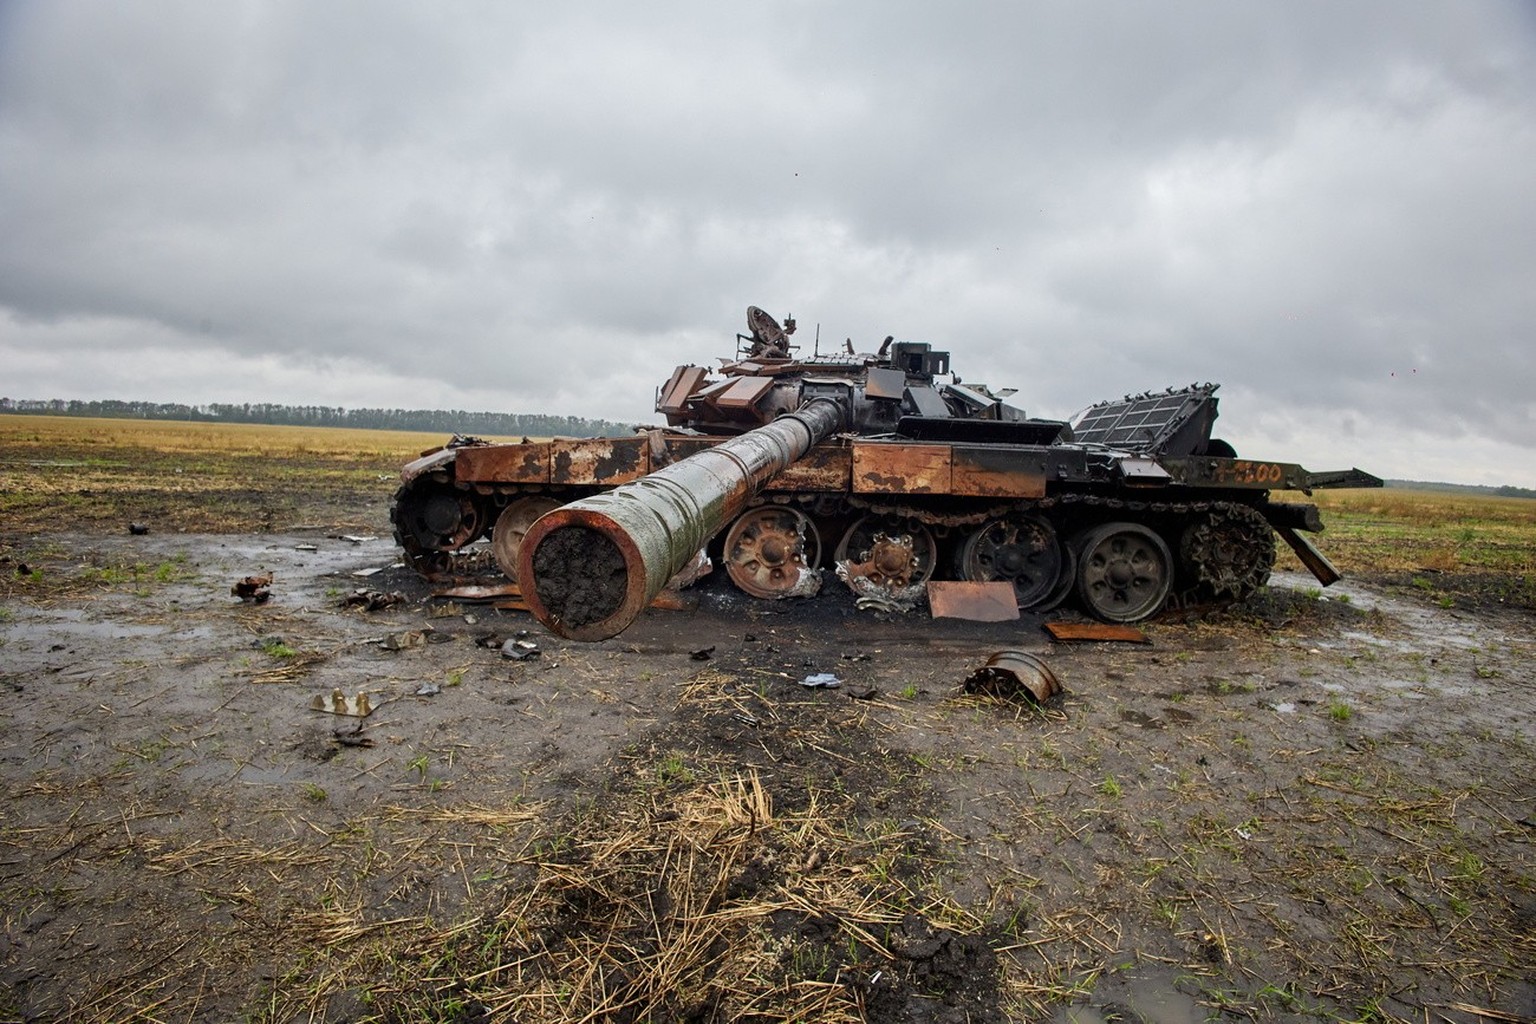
column 1023, row 550
column 1124, row 572
column 899, row 553
column 512, row 526
column 769, row 548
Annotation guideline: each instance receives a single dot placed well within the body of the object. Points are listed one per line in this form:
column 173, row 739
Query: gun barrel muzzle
column 589, row 568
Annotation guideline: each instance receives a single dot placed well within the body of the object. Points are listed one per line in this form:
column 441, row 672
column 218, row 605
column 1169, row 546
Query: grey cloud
column 1079, row 200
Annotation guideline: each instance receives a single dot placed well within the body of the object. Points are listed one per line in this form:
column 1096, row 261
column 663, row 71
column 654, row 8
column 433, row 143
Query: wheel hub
column 770, row 552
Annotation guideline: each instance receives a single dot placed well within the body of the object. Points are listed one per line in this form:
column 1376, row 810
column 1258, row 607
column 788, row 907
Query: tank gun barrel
column 590, row 567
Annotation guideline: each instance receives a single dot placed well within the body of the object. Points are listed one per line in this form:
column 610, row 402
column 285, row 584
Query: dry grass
column 68, row 472
column 1396, row 529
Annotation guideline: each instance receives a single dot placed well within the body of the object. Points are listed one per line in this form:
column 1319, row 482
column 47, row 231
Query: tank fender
column 427, row 463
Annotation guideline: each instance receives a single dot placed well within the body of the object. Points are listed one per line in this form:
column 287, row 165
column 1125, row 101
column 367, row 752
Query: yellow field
column 1398, row 529
column 62, row 472
column 45, row 433
column 68, row 472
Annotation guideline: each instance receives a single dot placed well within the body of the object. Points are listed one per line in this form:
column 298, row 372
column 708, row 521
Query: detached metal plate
column 1095, row 631
column 977, row 602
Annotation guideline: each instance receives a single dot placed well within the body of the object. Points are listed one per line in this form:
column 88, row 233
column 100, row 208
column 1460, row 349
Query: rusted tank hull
column 1133, row 508
column 596, row 563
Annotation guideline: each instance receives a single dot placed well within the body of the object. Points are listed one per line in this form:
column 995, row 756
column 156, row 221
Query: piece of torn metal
column 520, row 650
column 821, row 680
column 337, row 703
column 404, row 641
column 1096, row 631
column 1009, row 673
column 671, row 601
column 371, row 600
column 256, row 589
column 691, row 573
column 871, row 594
column 994, row 601
column 352, row 737
column 479, row 592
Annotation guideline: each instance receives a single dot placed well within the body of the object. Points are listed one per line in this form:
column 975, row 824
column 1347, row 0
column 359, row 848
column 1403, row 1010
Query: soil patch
column 1313, row 807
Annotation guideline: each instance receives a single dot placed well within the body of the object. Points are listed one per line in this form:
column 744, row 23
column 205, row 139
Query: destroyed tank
column 881, row 467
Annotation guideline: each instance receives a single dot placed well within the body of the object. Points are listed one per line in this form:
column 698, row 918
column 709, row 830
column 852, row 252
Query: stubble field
column 1317, row 807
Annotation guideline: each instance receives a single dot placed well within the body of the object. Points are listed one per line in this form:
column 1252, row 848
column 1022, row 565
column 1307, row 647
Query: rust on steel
column 596, row 563
column 979, row 602
column 1009, row 673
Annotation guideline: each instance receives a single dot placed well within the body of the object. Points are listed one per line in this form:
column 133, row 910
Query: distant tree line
column 451, row 421
column 1499, row 492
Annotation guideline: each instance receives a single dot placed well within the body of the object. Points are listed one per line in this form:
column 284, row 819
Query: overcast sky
column 1329, row 208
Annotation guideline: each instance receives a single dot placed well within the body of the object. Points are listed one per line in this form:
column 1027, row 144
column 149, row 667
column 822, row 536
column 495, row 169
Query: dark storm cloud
column 523, row 207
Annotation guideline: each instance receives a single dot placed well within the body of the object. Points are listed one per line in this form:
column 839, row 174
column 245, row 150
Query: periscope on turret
column 884, row 465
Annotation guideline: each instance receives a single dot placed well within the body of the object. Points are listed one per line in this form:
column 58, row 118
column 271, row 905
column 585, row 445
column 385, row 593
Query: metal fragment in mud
column 255, row 589
column 1096, row 631
column 520, row 650
column 404, row 641
column 1008, row 673
column 472, row 592
column 371, row 600
column 355, row 705
column 996, row 601
column 871, row 595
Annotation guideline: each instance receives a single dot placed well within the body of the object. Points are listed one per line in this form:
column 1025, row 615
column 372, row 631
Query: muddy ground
column 1312, row 808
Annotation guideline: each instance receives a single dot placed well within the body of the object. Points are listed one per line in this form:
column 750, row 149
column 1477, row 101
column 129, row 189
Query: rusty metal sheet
column 505, row 463
column 1095, row 631
column 429, row 461
column 978, row 602
column 599, row 460
column 710, row 392
column 478, row 592
column 901, row 468
column 991, row 471
column 1010, row 673
column 674, row 395
column 744, row 392
column 824, row 468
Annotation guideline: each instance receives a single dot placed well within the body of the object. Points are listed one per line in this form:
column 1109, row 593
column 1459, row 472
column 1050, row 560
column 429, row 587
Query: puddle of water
column 1144, row 995
column 1430, row 630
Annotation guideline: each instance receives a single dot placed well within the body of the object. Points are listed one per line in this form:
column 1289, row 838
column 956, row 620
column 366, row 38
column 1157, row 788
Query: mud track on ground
column 1309, row 808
